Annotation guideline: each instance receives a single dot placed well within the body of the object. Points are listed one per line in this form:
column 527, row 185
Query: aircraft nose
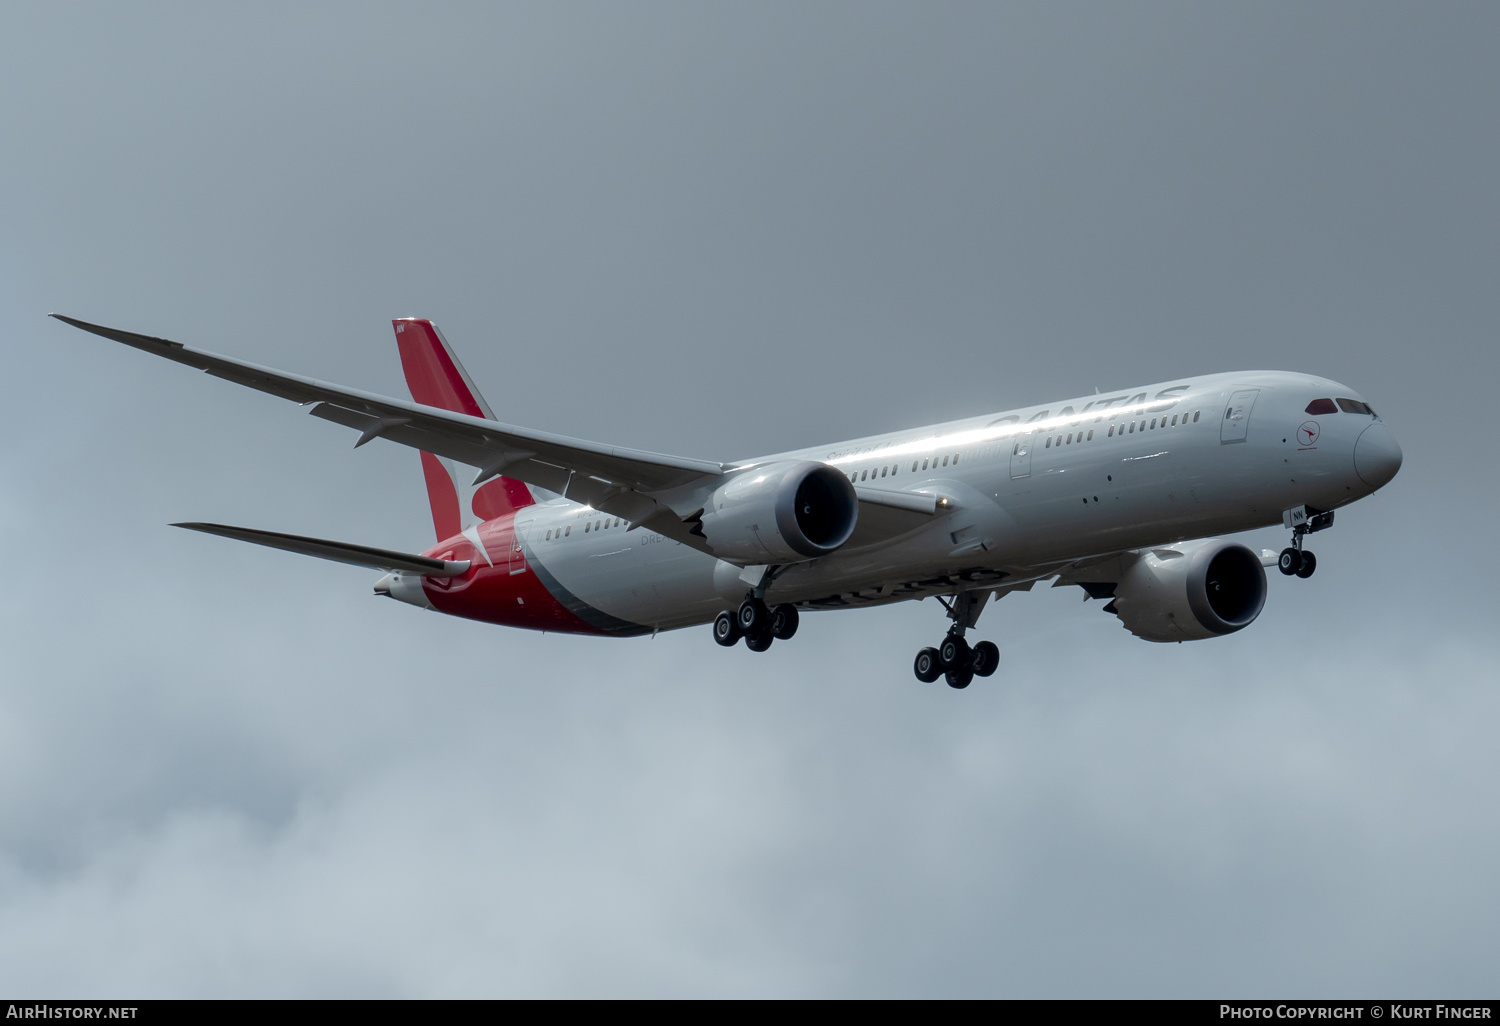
column 1377, row 457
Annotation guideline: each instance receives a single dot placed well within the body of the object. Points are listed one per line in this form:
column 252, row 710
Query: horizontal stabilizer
column 339, row 552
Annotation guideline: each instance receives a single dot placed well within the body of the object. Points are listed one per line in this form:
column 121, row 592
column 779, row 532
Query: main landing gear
column 756, row 622
column 954, row 660
column 1303, row 521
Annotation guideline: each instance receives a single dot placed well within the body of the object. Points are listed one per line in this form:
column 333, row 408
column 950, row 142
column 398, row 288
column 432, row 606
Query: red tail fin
column 436, row 378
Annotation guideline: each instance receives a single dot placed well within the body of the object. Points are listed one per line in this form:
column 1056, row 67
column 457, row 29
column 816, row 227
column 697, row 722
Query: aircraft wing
column 884, row 515
column 609, row 478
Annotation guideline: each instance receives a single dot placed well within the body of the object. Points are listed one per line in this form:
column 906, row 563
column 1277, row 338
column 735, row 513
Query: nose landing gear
column 1302, row 521
column 1295, row 561
column 954, row 660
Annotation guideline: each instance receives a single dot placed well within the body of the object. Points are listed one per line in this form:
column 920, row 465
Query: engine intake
column 780, row 513
column 1187, row 592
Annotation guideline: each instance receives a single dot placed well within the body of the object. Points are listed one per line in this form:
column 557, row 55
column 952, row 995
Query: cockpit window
column 1355, row 406
column 1321, row 406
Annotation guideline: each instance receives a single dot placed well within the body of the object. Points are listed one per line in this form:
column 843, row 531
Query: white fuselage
column 1027, row 491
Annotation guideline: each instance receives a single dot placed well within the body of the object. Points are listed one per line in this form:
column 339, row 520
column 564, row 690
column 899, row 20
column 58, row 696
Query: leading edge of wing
column 470, row 440
column 339, row 552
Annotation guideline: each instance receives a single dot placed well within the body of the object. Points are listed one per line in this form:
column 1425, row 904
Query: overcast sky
column 718, row 231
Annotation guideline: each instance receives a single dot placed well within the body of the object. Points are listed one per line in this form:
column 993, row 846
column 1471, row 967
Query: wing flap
column 339, row 552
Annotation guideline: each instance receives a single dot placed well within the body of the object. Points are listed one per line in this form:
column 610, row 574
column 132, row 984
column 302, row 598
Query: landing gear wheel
column 784, row 620
column 758, row 642
column 1290, row 561
column 986, row 658
column 726, row 629
column 1309, row 564
column 928, row 667
column 954, row 654
column 960, row 677
column 753, row 616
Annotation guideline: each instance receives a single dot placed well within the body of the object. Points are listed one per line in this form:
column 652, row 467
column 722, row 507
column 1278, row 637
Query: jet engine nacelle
column 1188, row 592
column 780, row 513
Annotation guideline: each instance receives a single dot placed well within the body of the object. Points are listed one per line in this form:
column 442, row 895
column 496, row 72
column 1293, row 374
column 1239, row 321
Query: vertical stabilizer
column 436, row 378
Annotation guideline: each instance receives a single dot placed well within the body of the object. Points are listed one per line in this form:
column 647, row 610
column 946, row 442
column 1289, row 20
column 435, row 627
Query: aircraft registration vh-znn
column 1120, row 494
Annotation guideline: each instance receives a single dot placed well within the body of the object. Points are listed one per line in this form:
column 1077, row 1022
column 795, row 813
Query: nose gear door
column 1020, row 455
column 1236, row 422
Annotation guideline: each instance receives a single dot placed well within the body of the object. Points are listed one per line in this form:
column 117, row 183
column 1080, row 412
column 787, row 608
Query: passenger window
column 955, row 459
column 568, row 531
column 913, row 466
column 1355, row 406
column 1049, row 443
column 585, row 528
column 1195, row 415
column 1091, row 435
column 945, row 461
column 1111, row 431
column 883, row 471
column 1318, row 407
column 1174, row 420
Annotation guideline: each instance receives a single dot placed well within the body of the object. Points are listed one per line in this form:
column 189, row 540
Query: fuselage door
column 1236, row 423
column 1020, row 455
column 517, row 557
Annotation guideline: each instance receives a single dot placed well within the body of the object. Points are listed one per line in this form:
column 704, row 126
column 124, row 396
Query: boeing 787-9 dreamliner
column 1121, row 494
